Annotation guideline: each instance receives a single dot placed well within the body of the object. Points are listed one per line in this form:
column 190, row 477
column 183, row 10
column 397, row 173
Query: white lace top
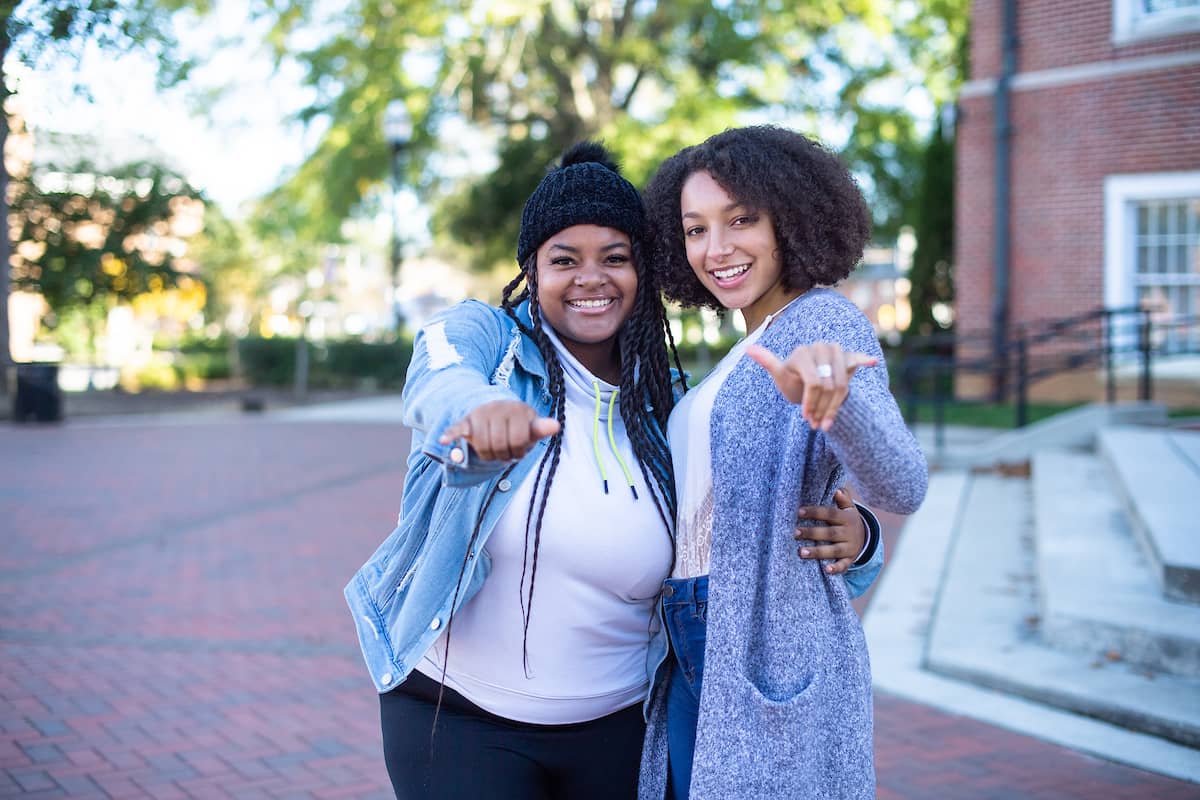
column 688, row 430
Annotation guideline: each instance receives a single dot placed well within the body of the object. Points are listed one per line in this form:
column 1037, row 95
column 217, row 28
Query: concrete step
column 1076, row 428
column 1096, row 590
column 984, row 627
column 1158, row 475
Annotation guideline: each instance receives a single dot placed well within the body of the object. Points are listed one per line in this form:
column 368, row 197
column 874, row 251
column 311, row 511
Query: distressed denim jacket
column 434, row 560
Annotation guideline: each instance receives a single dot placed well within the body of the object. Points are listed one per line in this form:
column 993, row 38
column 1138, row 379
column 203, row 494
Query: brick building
column 1103, row 147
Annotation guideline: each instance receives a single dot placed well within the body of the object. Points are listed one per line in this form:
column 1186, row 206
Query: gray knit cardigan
column 785, row 707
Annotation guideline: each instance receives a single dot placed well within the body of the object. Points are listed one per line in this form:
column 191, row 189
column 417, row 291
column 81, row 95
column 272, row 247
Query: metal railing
column 1110, row 339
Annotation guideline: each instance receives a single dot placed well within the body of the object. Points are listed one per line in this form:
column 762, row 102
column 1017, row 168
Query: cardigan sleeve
column 884, row 462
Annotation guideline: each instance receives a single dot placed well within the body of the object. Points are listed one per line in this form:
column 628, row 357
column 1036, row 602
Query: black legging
column 481, row 756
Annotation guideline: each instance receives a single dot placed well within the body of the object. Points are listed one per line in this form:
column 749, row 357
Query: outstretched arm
column 844, row 393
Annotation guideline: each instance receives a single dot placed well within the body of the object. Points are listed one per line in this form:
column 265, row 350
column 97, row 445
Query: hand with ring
column 817, row 376
column 503, row 430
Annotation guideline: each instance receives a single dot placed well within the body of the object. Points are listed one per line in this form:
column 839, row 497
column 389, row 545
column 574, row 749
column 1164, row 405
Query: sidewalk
column 172, row 625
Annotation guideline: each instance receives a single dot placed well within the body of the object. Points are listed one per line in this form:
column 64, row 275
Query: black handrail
column 1034, row 351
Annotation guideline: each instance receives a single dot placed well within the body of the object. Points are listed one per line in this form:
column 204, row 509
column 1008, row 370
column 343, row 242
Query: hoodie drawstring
column 612, row 441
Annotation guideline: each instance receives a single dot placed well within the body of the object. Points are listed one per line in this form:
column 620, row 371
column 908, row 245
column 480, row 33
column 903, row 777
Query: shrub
column 345, row 363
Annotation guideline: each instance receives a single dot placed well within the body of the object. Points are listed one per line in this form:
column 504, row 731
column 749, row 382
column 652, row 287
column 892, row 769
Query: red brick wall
column 973, row 215
column 1058, row 33
column 1065, row 140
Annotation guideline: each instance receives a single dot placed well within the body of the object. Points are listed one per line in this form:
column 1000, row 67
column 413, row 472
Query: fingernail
column 829, row 568
column 801, row 512
column 827, row 424
column 804, row 551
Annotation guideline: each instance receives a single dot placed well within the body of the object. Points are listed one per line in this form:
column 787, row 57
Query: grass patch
column 989, row 415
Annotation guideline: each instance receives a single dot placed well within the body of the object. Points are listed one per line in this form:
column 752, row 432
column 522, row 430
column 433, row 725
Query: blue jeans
column 685, row 609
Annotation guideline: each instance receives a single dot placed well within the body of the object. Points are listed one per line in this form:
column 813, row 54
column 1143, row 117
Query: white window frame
column 1121, row 192
column 1129, row 26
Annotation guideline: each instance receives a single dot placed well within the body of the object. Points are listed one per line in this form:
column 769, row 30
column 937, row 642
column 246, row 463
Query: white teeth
column 732, row 271
column 590, row 303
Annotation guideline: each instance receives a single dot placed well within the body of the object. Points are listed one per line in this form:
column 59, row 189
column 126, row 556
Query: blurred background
column 212, row 195
column 252, row 205
column 207, row 196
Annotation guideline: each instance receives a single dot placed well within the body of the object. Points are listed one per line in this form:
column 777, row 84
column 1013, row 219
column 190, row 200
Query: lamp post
column 397, row 132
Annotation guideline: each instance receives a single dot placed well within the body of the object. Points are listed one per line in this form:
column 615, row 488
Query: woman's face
column 586, row 286
column 732, row 249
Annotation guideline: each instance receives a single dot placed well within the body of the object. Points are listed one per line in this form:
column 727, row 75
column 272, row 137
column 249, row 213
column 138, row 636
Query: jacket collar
column 527, row 353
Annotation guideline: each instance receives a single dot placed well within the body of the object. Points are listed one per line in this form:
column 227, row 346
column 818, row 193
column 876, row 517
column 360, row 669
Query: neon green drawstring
column 596, row 436
column 612, row 441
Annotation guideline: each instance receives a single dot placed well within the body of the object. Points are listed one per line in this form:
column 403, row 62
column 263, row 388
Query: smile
column 730, row 272
column 592, row 304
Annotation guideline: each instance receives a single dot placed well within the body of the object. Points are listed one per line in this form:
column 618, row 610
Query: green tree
column 932, row 274
column 230, row 265
column 86, row 240
column 35, row 32
column 529, row 77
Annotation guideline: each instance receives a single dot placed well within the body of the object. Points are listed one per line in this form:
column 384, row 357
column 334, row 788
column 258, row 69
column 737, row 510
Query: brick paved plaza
column 172, row 625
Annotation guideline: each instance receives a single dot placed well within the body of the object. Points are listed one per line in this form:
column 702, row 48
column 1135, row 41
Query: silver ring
column 824, row 370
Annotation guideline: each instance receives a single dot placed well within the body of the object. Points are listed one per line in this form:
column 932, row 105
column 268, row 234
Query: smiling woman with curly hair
column 758, row 220
column 821, row 221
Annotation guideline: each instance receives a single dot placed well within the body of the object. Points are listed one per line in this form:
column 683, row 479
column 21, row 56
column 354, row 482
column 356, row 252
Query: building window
column 1152, row 251
column 1145, row 19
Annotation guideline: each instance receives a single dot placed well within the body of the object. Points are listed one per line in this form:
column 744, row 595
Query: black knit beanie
column 586, row 188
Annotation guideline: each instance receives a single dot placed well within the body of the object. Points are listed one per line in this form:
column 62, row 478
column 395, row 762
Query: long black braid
column 645, row 380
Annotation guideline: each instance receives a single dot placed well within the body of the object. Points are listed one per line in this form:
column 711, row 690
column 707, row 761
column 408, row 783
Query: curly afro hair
column 820, row 218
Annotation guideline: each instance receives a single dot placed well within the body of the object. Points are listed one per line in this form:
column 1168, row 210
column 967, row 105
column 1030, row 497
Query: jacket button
column 386, row 678
column 504, row 485
column 457, row 455
column 437, row 623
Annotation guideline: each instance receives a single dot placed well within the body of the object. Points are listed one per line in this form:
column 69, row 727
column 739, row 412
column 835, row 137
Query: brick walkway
column 172, row 626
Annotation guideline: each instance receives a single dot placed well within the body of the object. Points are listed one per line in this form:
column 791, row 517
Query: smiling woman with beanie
column 509, row 620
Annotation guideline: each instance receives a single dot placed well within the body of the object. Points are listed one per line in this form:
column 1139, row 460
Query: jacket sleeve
column 860, row 576
column 453, row 358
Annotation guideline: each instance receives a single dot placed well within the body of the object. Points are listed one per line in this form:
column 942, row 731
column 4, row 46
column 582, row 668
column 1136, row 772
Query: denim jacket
column 402, row 596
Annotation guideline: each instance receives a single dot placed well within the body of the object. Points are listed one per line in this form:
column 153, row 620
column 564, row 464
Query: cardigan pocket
column 782, row 698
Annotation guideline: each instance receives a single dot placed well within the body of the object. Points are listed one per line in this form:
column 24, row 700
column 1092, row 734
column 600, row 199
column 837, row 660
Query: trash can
column 38, row 396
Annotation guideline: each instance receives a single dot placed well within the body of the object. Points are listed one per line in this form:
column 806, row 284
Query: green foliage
column 38, row 32
column 533, row 76
column 267, row 362
column 86, row 238
column 348, row 363
column 232, row 271
column 932, row 273
column 204, row 359
column 351, row 362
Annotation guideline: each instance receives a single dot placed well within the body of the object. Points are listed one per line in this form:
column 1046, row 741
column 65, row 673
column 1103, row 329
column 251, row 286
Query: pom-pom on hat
column 586, row 188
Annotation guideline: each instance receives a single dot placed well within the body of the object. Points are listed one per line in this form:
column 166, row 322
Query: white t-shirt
column 688, row 430
column 602, row 559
